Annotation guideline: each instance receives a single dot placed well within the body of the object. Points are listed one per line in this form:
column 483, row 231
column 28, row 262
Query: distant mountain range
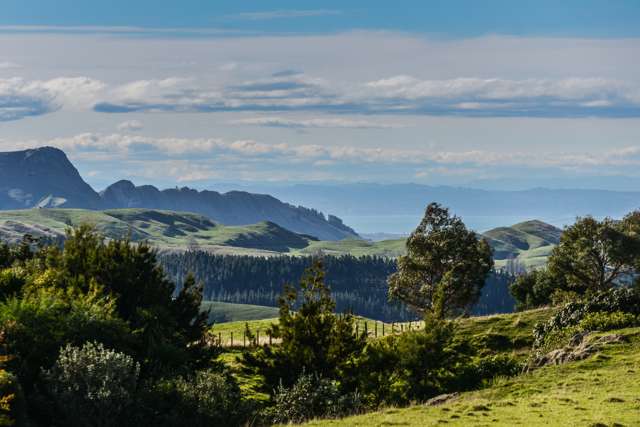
column 397, row 208
column 45, row 178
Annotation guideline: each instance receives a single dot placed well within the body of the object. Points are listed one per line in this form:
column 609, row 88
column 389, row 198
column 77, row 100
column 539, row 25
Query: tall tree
column 313, row 339
column 445, row 266
column 593, row 255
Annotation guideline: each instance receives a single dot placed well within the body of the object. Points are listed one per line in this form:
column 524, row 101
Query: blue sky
column 452, row 18
column 495, row 93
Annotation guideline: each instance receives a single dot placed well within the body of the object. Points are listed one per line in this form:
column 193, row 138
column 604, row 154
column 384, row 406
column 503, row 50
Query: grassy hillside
column 499, row 332
column 528, row 242
column 599, row 391
column 165, row 229
column 356, row 247
column 220, row 312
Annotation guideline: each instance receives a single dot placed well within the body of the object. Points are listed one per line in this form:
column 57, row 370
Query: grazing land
column 602, row 390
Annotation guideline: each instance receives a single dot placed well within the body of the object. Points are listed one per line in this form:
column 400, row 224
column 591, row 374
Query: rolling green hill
column 164, row 229
column 530, row 242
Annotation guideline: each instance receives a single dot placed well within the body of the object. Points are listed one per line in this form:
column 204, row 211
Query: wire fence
column 247, row 335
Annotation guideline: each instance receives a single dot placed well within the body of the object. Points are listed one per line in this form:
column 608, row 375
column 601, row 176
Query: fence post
column 366, row 329
column 393, row 328
column 383, row 329
column 220, row 339
column 357, row 327
column 375, row 329
column 231, row 339
column 244, row 339
column 269, row 337
column 258, row 338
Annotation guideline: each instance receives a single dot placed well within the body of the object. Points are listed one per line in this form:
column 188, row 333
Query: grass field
column 226, row 331
column 220, row 312
column 512, row 331
column 603, row 390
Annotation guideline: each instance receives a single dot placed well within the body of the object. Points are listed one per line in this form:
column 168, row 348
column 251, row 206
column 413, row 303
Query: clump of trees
column 95, row 334
column 592, row 256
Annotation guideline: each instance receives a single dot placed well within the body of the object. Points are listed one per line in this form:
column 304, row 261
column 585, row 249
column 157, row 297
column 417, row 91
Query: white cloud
column 131, row 126
column 444, row 162
column 492, row 97
column 313, row 123
column 20, row 98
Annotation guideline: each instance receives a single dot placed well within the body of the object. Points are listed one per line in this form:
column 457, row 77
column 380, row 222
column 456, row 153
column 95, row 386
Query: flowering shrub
column 92, row 385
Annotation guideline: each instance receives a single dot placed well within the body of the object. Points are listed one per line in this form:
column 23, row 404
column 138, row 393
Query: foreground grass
column 603, row 390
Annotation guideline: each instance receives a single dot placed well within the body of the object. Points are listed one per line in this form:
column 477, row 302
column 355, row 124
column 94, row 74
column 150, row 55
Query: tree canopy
column 445, row 266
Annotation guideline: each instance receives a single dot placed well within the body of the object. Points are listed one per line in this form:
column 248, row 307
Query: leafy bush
column 623, row 299
column 207, row 398
column 12, row 405
column 498, row 365
column 92, row 385
column 11, row 282
column 38, row 324
column 311, row 397
column 415, row 366
column 607, row 321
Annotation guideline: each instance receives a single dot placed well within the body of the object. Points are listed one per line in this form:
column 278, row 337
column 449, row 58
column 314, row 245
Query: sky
column 492, row 94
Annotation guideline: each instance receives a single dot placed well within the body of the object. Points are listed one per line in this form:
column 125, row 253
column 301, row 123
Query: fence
column 242, row 336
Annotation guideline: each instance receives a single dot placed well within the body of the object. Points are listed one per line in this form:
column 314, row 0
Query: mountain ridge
column 45, row 178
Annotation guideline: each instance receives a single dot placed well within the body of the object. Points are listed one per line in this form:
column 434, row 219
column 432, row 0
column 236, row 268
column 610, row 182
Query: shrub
column 607, row 321
column 399, row 369
column 92, row 385
column 12, row 405
column 311, row 397
column 37, row 325
column 314, row 340
column 499, row 365
column 623, row 299
column 207, row 398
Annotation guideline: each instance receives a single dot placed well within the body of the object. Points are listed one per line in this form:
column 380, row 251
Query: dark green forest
column 358, row 284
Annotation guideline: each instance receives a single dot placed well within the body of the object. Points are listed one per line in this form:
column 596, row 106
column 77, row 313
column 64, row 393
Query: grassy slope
column 516, row 328
column 226, row 312
column 165, row 229
column 600, row 391
column 530, row 242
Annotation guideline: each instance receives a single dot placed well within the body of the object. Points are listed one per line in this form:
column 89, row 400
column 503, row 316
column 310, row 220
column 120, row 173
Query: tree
column 593, row 255
column 313, row 339
column 535, row 289
column 445, row 266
